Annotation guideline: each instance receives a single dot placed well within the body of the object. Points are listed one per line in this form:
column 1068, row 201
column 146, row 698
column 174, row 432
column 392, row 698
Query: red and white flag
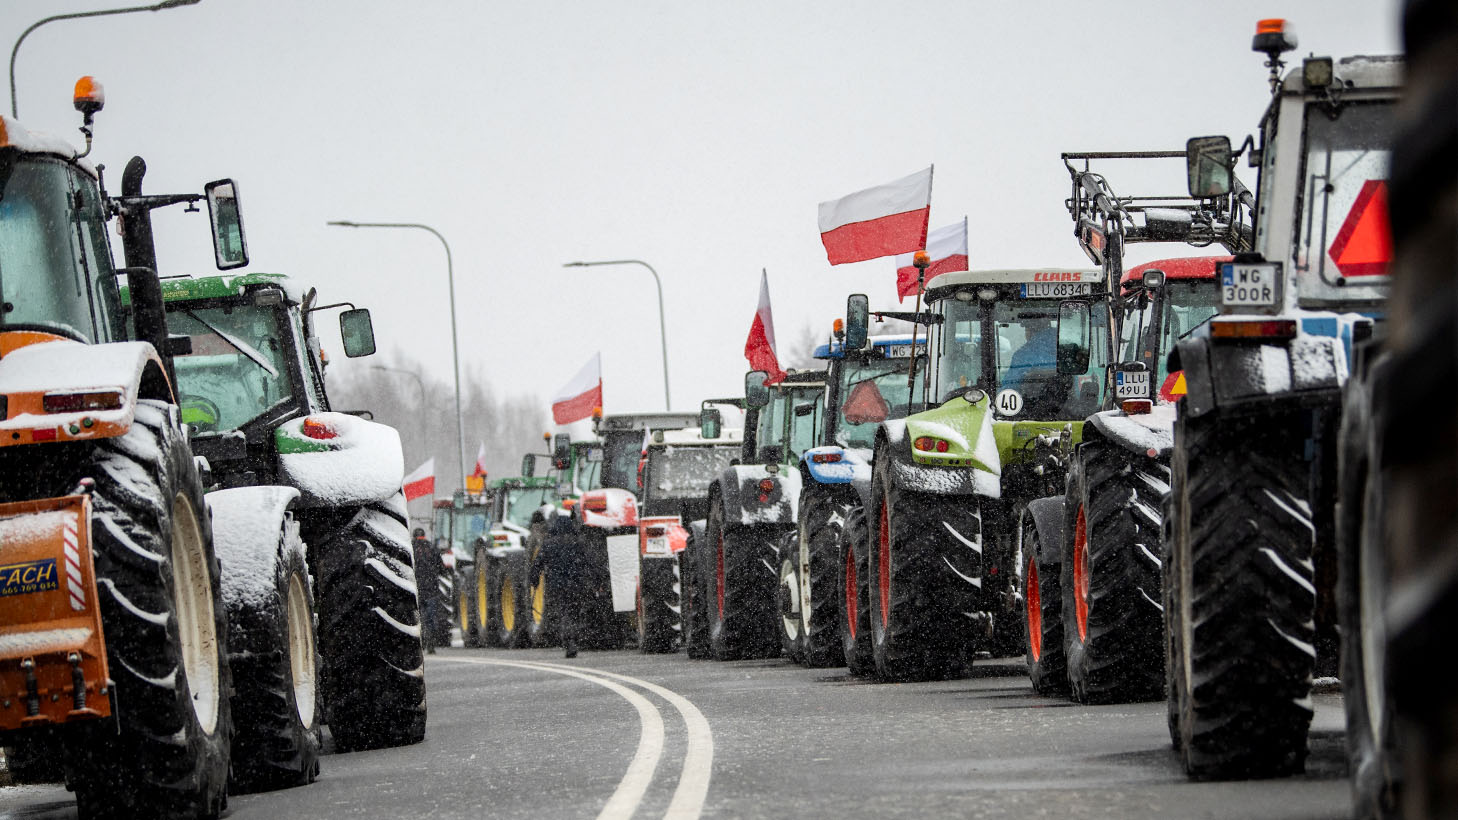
column 759, row 348
column 480, row 461
column 577, row 398
column 421, row 481
column 947, row 247
column 881, row 221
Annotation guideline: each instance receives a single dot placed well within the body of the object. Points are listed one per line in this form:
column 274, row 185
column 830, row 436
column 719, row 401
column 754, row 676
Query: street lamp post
column 416, row 376
column 662, row 324
column 455, row 347
column 166, row 4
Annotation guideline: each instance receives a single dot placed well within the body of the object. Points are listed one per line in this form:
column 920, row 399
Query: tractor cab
column 622, row 442
column 1162, row 302
column 679, row 465
column 866, row 386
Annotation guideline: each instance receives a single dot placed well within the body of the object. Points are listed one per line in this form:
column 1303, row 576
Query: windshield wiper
column 238, row 345
column 1202, row 323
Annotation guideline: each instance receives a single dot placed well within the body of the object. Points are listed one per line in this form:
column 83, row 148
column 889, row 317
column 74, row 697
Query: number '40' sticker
column 1009, row 402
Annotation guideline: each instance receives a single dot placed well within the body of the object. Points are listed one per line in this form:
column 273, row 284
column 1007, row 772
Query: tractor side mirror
column 857, row 319
column 357, row 332
column 756, row 392
column 528, row 465
column 1074, row 330
column 230, row 247
column 711, row 423
column 562, row 452
column 1208, row 163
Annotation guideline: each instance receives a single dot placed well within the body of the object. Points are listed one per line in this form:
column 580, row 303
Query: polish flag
column 947, row 247
column 421, row 481
column 759, row 348
column 577, row 398
column 480, row 461
column 881, row 221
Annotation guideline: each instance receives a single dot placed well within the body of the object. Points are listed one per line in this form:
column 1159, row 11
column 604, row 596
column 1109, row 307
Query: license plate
column 1245, row 285
column 1131, row 384
column 1056, row 290
column 902, row 351
column 655, row 546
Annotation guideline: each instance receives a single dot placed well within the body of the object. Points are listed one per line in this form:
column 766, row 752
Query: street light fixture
column 455, row 347
column 166, row 4
column 662, row 325
column 412, row 374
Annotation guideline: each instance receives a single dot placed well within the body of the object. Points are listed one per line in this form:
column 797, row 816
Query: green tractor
column 307, row 493
column 949, row 484
column 458, row 522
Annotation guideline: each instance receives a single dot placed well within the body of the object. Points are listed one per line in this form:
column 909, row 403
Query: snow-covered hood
column 360, row 462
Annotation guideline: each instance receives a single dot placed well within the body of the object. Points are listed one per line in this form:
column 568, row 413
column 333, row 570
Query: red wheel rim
column 1080, row 573
column 851, row 613
column 719, row 574
column 1035, row 612
column 883, row 564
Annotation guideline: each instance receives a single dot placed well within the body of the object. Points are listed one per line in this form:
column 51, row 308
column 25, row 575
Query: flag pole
column 922, row 260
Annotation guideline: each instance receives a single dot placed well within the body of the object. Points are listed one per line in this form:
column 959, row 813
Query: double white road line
column 698, row 758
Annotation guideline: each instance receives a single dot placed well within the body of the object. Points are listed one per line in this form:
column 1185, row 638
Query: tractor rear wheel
column 855, row 595
column 272, row 650
column 818, row 537
column 925, row 573
column 1244, row 593
column 742, row 589
column 695, row 615
column 167, row 752
column 658, row 605
column 1112, row 619
column 510, row 601
column 465, row 613
column 1043, row 602
column 369, row 631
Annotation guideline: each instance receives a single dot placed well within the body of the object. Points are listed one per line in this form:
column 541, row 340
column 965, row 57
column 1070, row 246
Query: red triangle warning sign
column 1363, row 245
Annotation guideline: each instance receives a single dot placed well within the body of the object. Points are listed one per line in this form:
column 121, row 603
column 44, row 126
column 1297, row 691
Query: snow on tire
column 271, row 647
column 925, row 579
column 1112, row 615
column 658, row 605
column 741, row 583
column 369, row 632
column 167, row 753
column 818, row 537
column 855, row 596
column 1241, row 568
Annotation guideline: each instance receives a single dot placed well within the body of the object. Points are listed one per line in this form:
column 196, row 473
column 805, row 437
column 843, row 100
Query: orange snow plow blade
column 52, row 656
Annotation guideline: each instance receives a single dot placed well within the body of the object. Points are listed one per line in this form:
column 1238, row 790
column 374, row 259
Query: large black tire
column 818, row 537
column 271, row 647
column 444, row 607
column 658, row 605
column 369, row 631
column 1043, row 607
column 789, row 615
column 1112, row 617
column 695, row 612
column 855, row 595
column 924, row 580
column 510, row 601
column 1362, row 580
column 481, row 600
column 465, row 610
column 741, row 583
column 167, row 753
column 1174, row 689
column 1241, row 566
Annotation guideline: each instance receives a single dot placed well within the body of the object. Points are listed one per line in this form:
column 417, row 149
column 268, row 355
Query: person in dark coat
column 569, row 578
column 428, row 568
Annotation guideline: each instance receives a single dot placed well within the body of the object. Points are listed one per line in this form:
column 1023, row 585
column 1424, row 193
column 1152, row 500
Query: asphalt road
column 525, row 734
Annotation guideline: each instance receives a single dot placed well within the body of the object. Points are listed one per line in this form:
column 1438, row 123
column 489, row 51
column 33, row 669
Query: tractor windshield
column 621, row 451
column 1187, row 305
column 872, row 390
column 1023, row 338
column 587, row 467
column 780, row 425
column 55, row 264
column 521, row 502
column 240, row 367
column 1343, row 236
column 679, row 472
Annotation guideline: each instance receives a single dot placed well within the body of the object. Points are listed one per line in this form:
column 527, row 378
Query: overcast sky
column 696, row 136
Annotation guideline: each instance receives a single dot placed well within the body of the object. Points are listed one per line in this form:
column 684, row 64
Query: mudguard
column 1308, row 368
column 1148, row 434
column 746, row 503
column 340, row 460
column 891, row 440
column 609, row 508
column 109, row 376
column 246, row 526
column 1047, row 515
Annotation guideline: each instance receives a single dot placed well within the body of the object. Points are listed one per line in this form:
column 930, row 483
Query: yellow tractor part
column 508, row 604
column 539, row 600
column 483, row 595
column 52, row 653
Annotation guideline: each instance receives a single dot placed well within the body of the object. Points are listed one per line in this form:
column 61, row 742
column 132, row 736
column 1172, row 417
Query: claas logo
column 31, row 576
